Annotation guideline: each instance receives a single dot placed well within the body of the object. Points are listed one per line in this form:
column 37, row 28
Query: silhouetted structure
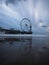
column 11, row 31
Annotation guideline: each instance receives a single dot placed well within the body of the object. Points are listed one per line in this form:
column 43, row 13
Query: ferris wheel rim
column 22, row 25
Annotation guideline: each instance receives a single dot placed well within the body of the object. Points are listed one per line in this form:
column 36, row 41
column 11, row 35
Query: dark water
column 24, row 51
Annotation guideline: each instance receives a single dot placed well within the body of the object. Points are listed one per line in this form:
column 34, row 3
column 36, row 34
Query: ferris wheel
column 25, row 25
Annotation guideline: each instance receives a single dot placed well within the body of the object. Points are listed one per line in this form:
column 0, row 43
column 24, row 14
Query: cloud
column 10, row 1
column 13, row 1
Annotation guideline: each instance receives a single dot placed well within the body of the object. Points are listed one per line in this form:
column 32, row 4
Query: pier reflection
column 12, row 49
column 22, row 44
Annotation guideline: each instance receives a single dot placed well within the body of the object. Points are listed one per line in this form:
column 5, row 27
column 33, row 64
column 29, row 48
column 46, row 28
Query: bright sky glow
column 36, row 14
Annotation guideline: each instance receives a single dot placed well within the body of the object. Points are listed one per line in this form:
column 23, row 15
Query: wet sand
column 24, row 50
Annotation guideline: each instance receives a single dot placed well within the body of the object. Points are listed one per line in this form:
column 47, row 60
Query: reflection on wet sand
column 24, row 50
column 19, row 46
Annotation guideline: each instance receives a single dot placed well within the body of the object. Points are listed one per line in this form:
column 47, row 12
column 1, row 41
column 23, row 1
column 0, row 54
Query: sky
column 13, row 11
